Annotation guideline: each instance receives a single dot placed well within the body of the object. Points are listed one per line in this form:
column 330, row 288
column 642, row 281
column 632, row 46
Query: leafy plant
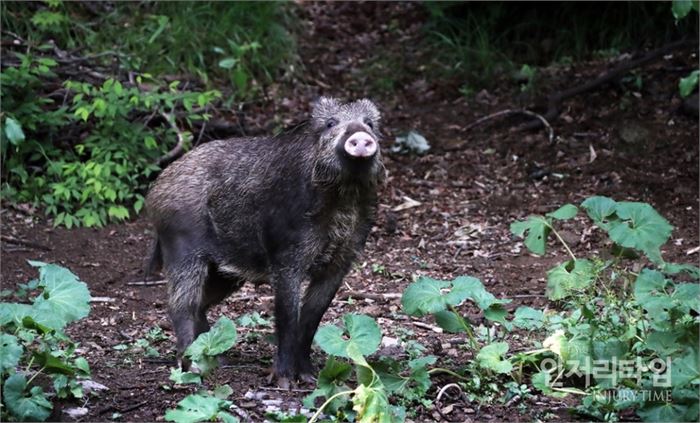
column 369, row 400
column 203, row 352
column 32, row 343
column 204, row 406
column 627, row 332
column 101, row 175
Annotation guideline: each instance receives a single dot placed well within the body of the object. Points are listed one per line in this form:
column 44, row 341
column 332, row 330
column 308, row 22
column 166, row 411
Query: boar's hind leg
column 187, row 311
column 317, row 298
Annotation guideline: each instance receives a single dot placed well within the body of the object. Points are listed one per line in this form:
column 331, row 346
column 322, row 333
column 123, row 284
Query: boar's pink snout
column 361, row 144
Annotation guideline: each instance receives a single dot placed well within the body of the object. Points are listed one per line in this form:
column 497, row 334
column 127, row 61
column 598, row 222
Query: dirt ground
column 622, row 142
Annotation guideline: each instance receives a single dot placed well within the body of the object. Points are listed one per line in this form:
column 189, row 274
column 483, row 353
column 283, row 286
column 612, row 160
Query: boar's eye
column 369, row 123
column 331, row 123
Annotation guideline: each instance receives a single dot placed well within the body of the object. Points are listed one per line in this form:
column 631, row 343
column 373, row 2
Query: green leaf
column 664, row 343
column 53, row 364
column 601, row 210
column 641, row 227
column 569, row 278
column 240, row 77
column 331, row 380
column 196, row 408
column 491, row 357
column 228, row 63
column 664, row 412
column 650, row 292
column 32, row 407
column 14, row 312
column 65, row 299
column 681, row 8
column 687, row 85
column 184, row 378
column 528, row 318
column 219, row 339
column 565, row 212
column 13, row 131
column 689, row 269
column 449, row 321
column 223, row 391
column 685, row 369
column 363, row 333
column 371, row 405
column 424, row 297
column 10, row 352
column 537, row 228
column 687, row 297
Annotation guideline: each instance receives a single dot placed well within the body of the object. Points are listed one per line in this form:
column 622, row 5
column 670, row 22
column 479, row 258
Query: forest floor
column 622, row 142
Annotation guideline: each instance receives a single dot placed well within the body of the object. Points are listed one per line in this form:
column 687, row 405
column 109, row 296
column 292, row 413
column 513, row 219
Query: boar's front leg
column 322, row 288
column 287, row 284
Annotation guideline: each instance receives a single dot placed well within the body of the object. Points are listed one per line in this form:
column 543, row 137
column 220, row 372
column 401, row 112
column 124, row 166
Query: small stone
column 76, row 412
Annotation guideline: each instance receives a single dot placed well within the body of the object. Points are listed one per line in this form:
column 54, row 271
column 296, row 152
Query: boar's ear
column 323, row 109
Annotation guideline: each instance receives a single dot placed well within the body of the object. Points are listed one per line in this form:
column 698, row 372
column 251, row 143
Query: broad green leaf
column 688, row 84
column 491, row 357
column 662, row 412
column 25, row 406
column 53, row 364
column 424, row 297
column 14, row 312
column 689, row 269
column 449, row 321
column 331, row 380
column 184, row 378
column 13, row 131
column 528, row 318
column 227, row 417
column 681, row 8
column 219, row 339
column 430, row 296
column 601, row 210
column 474, row 290
column 650, row 291
column 65, row 299
column 228, row 63
column 496, row 313
column 664, row 343
column 686, row 369
column 223, row 391
column 240, row 77
column 565, row 212
column 362, row 332
column 537, row 228
column 10, row 352
column 568, row 278
column 687, row 297
column 196, row 408
column 371, row 405
column 641, row 227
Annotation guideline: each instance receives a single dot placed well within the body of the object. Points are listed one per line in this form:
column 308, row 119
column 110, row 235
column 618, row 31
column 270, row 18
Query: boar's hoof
column 308, row 378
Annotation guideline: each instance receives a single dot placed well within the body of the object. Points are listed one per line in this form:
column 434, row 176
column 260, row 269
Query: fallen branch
column 435, row 329
column 12, row 240
column 555, row 100
column 368, row 295
column 179, row 148
column 507, row 112
column 147, row 283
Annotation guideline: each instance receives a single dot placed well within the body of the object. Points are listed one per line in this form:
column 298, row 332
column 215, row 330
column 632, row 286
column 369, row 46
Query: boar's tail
column 156, row 261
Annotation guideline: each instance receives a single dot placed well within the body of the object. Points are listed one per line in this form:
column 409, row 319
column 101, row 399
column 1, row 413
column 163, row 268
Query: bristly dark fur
column 286, row 209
